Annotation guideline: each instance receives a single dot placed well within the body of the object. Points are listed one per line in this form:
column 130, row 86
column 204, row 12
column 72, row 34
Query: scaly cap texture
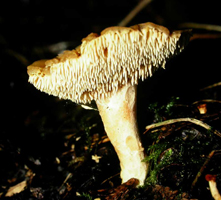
column 103, row 63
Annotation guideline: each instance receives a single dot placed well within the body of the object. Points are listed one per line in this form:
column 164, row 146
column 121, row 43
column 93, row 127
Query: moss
column 160, row 110
column 154, row 152
column 178, row 151
column 87, row 196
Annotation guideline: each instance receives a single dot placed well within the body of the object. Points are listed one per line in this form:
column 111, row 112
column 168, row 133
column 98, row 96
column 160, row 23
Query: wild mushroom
column 106, row 68
column 213, row 187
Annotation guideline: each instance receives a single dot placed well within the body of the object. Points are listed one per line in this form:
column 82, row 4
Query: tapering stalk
column 118, row 114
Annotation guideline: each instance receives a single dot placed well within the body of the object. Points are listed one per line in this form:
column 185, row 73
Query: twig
column 205, row 36
column 18, row 56
column 192, row 120
column 208, row 27
column 66, row 179
column 110, row 178
column 207, row 101
column 211, row 86
column 134, row 12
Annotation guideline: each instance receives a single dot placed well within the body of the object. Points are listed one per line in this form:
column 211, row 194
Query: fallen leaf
column 16, row 189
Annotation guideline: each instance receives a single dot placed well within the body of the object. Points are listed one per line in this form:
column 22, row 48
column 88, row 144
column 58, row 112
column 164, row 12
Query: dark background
column 30, row 28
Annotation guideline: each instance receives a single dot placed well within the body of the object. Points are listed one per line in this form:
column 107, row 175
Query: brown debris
column 122, row 191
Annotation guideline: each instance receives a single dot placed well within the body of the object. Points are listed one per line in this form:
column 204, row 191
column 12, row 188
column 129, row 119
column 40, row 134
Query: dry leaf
column 16, row 189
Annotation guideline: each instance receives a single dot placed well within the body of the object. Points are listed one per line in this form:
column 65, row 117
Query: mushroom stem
column 213, row 187
column 118, row 114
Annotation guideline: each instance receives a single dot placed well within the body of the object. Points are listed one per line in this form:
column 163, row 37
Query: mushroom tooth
column 132, row 80
column 95, row 95
column 37, row 83
column 109, row 87
column 150, row 70
column 143, row 74
column 146, row 70
column 136, row 77
column 125, row 76
column 98, row 60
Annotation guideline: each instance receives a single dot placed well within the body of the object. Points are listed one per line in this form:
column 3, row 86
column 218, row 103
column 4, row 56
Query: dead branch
column 192, row 120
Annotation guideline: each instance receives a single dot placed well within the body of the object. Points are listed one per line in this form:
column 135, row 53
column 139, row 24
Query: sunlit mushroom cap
column 103, row 63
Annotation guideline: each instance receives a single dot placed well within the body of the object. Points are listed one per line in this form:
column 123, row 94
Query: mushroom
column 106, row 68
column 213, row 187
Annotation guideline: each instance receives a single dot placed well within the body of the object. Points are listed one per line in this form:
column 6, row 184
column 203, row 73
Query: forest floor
column 54, row 149
column 65, row 153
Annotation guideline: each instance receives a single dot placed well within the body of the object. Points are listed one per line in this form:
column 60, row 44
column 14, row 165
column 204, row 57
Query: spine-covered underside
column 107, row 62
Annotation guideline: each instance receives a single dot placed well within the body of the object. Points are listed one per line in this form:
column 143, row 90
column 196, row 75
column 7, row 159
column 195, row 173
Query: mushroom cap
column 210, row 177
column 104, row 63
